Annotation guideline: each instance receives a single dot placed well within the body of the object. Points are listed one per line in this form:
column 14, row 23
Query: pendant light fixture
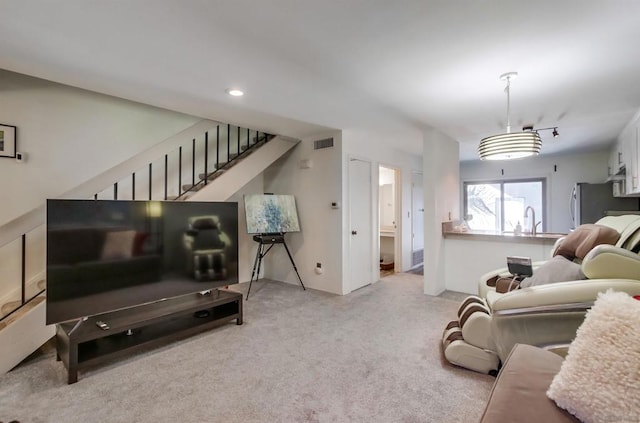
column 510, row 145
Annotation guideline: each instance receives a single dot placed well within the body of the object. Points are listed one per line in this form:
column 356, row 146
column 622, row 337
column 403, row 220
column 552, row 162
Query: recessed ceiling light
column 234, row 92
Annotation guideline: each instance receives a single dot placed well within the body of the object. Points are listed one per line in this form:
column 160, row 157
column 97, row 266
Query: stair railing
column 173, row 170
column 232, row 143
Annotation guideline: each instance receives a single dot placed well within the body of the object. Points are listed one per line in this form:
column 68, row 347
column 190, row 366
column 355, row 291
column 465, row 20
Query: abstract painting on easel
column 271, row 214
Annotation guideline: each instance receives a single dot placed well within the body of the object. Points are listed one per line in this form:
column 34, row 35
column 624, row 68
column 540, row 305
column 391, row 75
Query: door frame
column 397, row 198
column 419, row 174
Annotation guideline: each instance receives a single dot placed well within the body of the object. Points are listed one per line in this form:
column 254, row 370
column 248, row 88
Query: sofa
column 86, row 260
column 519, row 392
column 598, row 381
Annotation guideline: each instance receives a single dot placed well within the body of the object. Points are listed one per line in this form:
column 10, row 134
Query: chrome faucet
column 533, row 219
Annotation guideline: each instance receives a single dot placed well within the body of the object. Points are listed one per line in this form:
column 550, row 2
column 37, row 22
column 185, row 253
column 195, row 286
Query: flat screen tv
column 105, row 255
column 269, row 213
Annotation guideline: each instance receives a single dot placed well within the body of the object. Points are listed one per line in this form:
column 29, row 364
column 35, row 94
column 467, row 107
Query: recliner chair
column 627, row 226
column 547, row 315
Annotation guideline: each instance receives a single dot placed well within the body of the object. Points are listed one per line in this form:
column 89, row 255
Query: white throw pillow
column 599, row 381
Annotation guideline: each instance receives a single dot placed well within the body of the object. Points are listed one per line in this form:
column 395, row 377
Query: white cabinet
column 624, row 161
column 624, row 144
column 628, row 148
column 612, row 160
column 633, row 168
column 616, row 157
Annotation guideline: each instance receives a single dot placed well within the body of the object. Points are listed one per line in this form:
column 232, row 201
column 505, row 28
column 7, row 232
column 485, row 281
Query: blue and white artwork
column 271, row 214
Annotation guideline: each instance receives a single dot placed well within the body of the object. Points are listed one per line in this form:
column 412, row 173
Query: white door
column 360, row 224
column 417, row 219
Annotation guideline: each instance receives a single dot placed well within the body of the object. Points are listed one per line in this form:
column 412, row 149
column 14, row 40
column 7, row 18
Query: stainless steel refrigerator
column 590, row 202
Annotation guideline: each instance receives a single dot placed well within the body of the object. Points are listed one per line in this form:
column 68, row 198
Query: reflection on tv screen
column 105, row 255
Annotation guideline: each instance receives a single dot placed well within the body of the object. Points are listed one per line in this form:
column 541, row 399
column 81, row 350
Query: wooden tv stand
column 85, row 344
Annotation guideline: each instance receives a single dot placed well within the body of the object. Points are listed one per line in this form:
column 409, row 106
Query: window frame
column 502, row 182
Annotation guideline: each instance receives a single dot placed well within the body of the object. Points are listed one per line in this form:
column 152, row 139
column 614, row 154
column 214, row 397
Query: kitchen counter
column 470, row 254
column 544, row 237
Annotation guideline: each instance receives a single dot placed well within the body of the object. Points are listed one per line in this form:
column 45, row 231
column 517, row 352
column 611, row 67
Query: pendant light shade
column 510, row 145
column 514, row 145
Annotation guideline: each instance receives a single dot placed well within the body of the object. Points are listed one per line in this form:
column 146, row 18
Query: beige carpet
column 301, row 356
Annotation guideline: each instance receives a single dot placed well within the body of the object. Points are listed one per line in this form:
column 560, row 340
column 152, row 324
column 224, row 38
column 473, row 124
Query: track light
column 555, row 133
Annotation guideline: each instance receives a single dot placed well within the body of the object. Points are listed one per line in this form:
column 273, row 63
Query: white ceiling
column 309, row 65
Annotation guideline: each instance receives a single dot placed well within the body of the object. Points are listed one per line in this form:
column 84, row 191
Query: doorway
column 417, row 220
column 388, row 221
column 360, row 223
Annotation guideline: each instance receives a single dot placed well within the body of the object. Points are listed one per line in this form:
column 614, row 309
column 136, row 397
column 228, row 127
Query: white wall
column 387, row 250
column 247, row 248
column 562, row 172
column 378, row 147
column 441, row 198
column 315, row 188
column 69, row 136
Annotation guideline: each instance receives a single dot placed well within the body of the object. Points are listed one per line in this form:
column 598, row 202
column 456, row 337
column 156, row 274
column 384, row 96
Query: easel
column 266, row 243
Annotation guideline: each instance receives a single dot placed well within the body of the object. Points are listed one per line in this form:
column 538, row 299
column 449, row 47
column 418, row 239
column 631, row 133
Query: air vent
column 325, row 143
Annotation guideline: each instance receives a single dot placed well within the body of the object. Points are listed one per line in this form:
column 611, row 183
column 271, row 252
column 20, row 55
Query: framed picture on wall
column 7, row 141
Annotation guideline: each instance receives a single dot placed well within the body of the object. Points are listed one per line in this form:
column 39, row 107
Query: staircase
column 209, row 161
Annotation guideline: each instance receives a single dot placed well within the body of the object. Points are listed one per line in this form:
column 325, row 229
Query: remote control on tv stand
column 102, row 325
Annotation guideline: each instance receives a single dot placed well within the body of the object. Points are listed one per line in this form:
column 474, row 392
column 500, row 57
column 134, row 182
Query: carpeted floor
column 417, row 271
column 301, row 356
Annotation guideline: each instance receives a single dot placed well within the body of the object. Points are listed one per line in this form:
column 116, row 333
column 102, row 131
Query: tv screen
column 271, row 214
column 106, row 255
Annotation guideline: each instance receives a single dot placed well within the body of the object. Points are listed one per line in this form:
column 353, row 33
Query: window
column 500, row 205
